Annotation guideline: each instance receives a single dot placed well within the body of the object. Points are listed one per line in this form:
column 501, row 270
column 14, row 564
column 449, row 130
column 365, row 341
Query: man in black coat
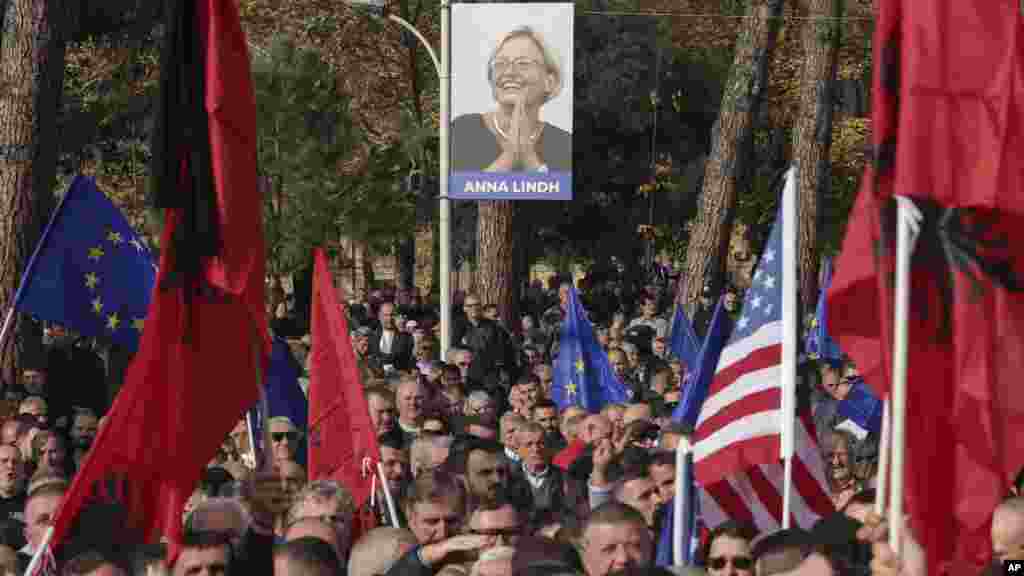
column 492, row 348
column 392, row 349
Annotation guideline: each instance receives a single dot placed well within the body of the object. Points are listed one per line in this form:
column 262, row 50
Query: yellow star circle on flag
column 96, row 252
column 571, row 389
column 113, row 321
column 91, row 280
column 138, row 324
column 115, row 237
column 97, row 305
column 580, row 366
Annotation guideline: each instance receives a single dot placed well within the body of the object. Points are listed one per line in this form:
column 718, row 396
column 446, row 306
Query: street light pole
column 445, row 223
column 443, row 68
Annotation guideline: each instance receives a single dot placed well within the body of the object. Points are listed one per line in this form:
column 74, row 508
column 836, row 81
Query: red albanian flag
column 948, row 128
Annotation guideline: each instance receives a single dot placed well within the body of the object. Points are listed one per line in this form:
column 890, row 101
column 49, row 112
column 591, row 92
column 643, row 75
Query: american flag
column 739, row 430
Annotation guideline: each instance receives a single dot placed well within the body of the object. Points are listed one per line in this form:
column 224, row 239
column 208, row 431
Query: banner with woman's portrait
column 511, row 102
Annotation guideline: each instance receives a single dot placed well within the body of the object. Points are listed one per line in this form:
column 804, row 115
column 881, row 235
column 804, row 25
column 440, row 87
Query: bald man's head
column 377, row 551
column 1008, row 530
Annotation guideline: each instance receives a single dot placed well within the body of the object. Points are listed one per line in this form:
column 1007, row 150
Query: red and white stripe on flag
column 738, row 436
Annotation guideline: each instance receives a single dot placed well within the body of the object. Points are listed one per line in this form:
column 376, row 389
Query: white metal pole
column 790, row 283
column 40, row 552
column 388, row 499
column 681, row 508
column 907, row 217
column 8, row 320
column 882, row 483
column 445, row 150
column 423, row 40
column 252, row 438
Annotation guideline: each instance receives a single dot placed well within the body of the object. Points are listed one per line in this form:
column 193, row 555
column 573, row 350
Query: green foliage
column 378, row 210
column 304, row 135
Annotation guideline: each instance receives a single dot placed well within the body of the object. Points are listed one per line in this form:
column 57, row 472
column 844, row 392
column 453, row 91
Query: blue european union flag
column 284, row 397
column 819, row 345
column 703, row 370
column 90, row 272
column 684, row 339
column 583, row 376
column 862, row 408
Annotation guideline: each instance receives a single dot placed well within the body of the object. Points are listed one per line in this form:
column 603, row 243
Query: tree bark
column 813, row 134
column 744, row 91
column 494, row 269
column 32, row 53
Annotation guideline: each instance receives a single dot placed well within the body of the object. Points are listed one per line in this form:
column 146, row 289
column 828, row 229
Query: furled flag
column 684, row 343
column 663, row 555
column 284, row 398
column 342, row 439
column 687, row 412
column 819, row 345
column 90, row 271
column 703, row 371
column 947, row 128
column 205, row 340
column 583, row 375
column 738, row 434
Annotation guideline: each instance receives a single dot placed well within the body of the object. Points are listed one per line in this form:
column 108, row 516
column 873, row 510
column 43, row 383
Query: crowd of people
column 483, row 475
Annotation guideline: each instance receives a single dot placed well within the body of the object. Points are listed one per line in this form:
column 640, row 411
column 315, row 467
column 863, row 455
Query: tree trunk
column 32, row 52
column 747, row 83
column 813, row 134
column 407, row 263
column 494, row 268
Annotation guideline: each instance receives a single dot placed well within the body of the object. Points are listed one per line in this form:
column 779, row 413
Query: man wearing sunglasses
column 284, row 438
column 728, row 552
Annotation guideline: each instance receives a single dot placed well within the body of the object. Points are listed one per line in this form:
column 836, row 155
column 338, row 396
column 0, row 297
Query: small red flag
column 342, row 438
column 206, row 337
column 948, row 127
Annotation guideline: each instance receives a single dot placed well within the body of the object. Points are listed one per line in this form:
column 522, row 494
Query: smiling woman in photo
column 524, row 74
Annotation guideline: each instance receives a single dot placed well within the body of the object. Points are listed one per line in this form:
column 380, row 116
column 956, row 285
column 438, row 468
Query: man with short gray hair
column 223, row 515
column 330, row 502
column 428, row 452
column 615, row 538
column 377, row 551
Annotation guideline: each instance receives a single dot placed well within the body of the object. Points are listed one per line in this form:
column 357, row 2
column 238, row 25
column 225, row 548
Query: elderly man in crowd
column 328, row 503
column 381, row 402
column 436, row 508
column 615, row 540
column 284, row 438
column 412, row 404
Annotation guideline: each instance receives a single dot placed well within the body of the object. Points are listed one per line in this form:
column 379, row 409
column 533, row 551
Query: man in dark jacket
column 390, row 347
column 490, row 344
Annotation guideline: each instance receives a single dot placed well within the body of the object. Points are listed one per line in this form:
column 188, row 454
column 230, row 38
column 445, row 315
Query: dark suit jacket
column 401, row 350
column 491, row 347
column 560, row 494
